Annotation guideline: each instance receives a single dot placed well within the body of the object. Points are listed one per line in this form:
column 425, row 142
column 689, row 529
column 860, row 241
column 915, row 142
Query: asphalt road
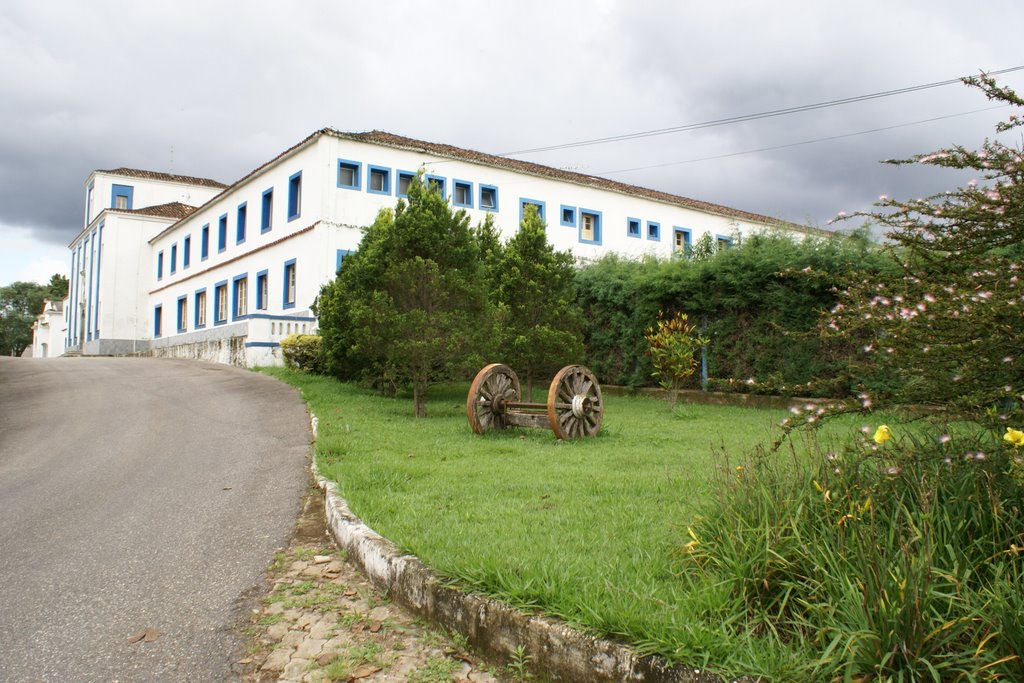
column 138, row 494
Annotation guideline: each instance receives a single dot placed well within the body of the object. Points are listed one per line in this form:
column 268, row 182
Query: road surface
column 138, row 496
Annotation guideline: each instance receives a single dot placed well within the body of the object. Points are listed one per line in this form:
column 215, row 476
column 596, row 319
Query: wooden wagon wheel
column 493, row 387
column 574, row 403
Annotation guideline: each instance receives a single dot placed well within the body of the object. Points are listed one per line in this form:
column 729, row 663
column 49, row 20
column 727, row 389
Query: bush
column 303, row 352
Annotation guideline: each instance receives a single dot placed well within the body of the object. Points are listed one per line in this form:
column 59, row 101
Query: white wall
column 145, row 192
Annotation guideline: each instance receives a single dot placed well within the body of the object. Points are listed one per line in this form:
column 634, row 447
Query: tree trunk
column 419, row 398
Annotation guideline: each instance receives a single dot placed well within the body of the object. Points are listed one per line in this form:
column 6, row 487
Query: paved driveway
column 138, row 494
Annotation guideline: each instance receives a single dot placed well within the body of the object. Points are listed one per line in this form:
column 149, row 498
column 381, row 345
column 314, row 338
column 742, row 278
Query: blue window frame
column 722, row 242
column 240, row 296
column 349, row 175
column 524, row 202
column 174, row 258
column 404, row 178
column 121, row 197
column 378, row 180
column 222, row 233
column 262, row 291
column 567, row 216
column 462, row 193
column 204, row 243
column 590, row 226
column 186, row 252
column 267, row 212
column 488, row 198
column 294, row 196
column 340, row 258
column 220, row 302
column 654, row 231
column 200, row 309
column 158, row 320
column 436, row 182
column 633, row 227
column 182, row 312
column 159, row 265
column 288, row 298
column 240, row 222
column 682, row 241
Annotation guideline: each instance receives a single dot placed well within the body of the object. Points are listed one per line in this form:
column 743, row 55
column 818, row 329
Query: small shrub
column 303, row 352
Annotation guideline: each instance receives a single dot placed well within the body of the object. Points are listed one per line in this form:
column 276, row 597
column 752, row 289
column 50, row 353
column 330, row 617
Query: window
column 240, row 223
column 340, row 258
column 159, row 265
column 266, row 215
column 348, row 176
column 654, row 231
column 378, row 180
column 204, row 243
column 488, row 198
column 182, row 313
column 289, row 284
column 568, row 216
column 121, row 197
column 633, row 227
column 220, row 303
column 262, row 291
column 294, row 196
column 88, row 204
column 523, row 203
column 186, row 252
column 222, row 233
column 240, row 297
column 200, row 307
column 404, row 178
column 590, row 226
column 436, row 182
column 462, row 194
column 681, row 241
column 158, row 320
column 722, row 242
column 174, row 258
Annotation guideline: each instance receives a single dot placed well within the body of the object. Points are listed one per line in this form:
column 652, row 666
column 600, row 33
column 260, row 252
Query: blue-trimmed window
column 267, row 211
column 204, row 243
column 121, row 197
column 158, row 321
column 633, row 227
column 182, row 312
column 174, row 258
column 378, row 180
column 294, row 196
column 349, row 176
column 200, row 309
column 160, row 265
column 682, row 241
column 262, row 291
column 340, row 258
column 186, row 252
column 567, row 216
column 222, row 233
column 240, row 296
column 462, row 193
column 722, row 242
column 488, row 198
column 404, row 178
column 288, row 298
column 436, row 182
column 654, row 231
column 590, row 226
column 243, row 210
column 524, row 202
column 220, row 302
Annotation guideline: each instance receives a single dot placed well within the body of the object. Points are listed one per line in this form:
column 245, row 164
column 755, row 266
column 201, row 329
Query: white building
column 189, row 267
column 49, row 330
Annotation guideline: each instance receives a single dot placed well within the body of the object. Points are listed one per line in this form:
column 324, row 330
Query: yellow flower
column 882, row 434
column 1014, row 436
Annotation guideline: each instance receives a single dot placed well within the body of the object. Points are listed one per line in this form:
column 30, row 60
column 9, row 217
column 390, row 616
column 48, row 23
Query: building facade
column 188, row 267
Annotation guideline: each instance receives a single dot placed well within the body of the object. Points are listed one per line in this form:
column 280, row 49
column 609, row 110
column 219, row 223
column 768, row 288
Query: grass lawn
column 590, row 531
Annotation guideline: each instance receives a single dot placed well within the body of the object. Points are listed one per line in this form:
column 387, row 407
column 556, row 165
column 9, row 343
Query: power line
column 796, row 144
column 749, row 117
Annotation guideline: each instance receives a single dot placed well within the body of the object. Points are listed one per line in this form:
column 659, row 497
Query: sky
column 215, row 89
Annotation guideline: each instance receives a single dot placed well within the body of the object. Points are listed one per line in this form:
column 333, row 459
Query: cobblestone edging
column 554, row 649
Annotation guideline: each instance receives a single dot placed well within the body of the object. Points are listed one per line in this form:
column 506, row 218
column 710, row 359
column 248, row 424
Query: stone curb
column 554, row 649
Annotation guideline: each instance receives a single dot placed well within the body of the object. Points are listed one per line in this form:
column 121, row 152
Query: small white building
column 49, row 330
column 188, row 267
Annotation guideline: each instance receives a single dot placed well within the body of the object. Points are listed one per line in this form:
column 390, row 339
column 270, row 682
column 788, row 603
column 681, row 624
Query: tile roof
column 175, row 210
column 169, row 177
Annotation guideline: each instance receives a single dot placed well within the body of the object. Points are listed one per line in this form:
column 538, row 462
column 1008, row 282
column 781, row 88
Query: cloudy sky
column 214, row 89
